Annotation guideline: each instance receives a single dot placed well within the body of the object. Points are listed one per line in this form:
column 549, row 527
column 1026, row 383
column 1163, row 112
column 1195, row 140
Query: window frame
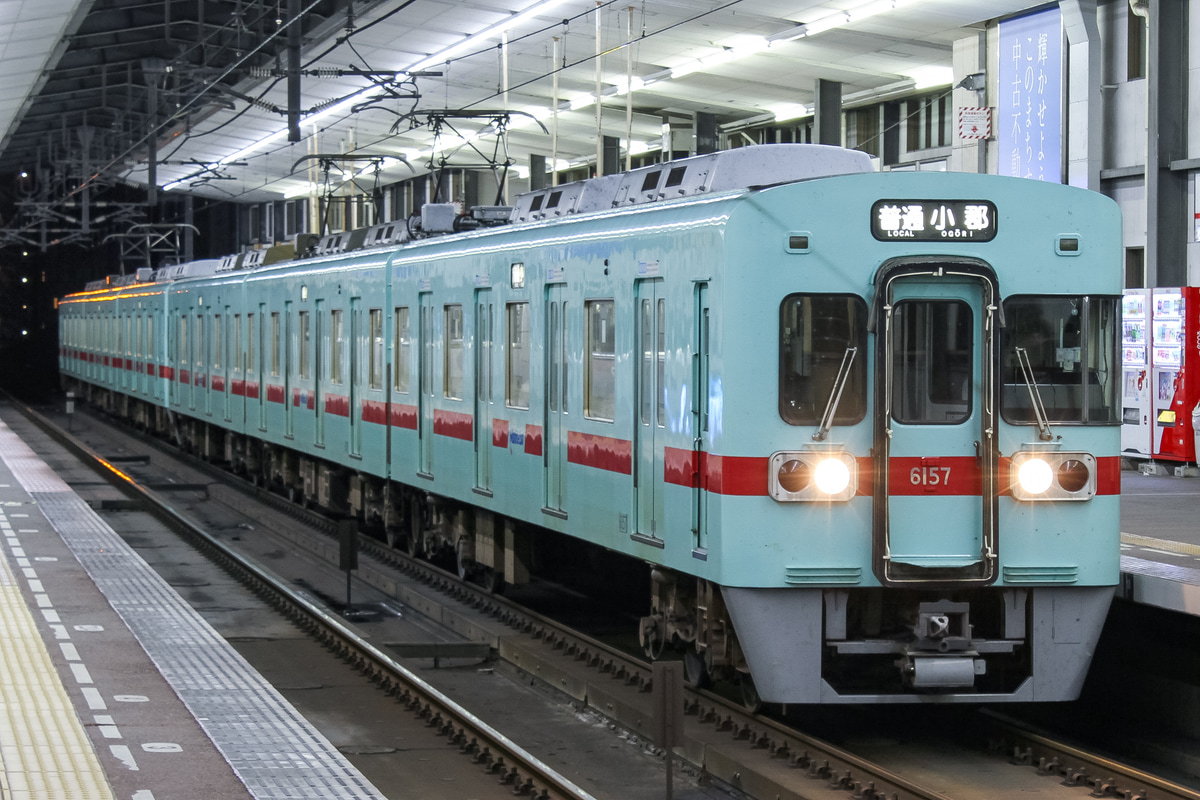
column 859, row 377
column 1088, row 303
column 592, row 409
column 401, row 350
column 512, row 362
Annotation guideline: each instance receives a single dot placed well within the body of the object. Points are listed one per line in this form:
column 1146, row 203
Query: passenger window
column 336, row 337
column 251, row 339
column 237, row 342
column 600, row 386
column 375, row 360
column 933, row 358
column 1072, row 345
column 275, row 344
column 217, row 342
column 305, row 346
column 516, row 380
column 815, row 332
column 401, row 351
column 199, row 341
column 453, row 365
column 183, row 339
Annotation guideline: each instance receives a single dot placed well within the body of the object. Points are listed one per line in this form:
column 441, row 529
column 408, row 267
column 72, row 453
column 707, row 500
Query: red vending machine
column 1174, row 356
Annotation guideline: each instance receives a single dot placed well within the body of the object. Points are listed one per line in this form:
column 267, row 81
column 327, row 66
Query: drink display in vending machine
column 1136, row 428
column 1174, row 352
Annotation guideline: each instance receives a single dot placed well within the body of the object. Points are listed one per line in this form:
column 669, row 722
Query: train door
column 651, row 408
column 319, row 376
column 207, row 358
column 174, row 354
column 187, row 346
column 228, row 363
column 554, row 444
column 258, row 366
column 935, row 425
column 356, row 359
column 484, row 317
column 286, row 348
column 425, row 353
column 700, row 410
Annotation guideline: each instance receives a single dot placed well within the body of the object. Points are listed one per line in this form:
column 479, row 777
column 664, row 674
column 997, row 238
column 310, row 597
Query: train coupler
column 941, row 672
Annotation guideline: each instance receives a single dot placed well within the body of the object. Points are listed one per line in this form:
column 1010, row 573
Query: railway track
column 758, row 756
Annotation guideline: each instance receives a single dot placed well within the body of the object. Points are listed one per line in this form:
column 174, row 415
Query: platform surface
column 1160, row 541
column 112, row 686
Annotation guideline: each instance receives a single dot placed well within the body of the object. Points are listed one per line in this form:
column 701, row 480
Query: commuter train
column 861, row 428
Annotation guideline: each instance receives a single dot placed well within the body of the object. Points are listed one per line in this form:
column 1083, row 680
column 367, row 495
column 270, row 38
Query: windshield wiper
column 835, row 394
column 1039, row 410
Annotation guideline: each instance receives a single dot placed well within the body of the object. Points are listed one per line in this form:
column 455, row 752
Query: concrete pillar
column 538, row 179
column 1085, row 125
column 1168, row 216
column 969, row 57
column 827, row 123
column 706, row 133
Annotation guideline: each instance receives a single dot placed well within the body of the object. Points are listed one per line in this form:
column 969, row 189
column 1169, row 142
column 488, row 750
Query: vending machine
column 1136, row 428
column 1174, row 351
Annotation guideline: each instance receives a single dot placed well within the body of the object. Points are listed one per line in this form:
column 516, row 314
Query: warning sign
column 974, row 123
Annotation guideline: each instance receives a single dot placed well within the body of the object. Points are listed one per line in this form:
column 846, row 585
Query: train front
column 943, row 481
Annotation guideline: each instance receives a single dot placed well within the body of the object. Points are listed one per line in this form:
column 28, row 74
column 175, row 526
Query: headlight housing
column 1038, row 475
column 812, row 476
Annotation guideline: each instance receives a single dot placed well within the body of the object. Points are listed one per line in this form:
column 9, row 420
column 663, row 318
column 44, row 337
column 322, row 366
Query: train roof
column 711, row 173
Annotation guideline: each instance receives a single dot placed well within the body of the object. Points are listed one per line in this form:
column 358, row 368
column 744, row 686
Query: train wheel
column 416, row 530
column 491, row 581
column 462, row 565
column 750, row 698
column 695, row 672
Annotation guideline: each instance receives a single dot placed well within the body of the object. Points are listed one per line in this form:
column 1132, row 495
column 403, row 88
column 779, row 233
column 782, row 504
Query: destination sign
column 933, row 220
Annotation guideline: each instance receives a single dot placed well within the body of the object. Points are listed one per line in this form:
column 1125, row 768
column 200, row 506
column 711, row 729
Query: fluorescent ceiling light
column 789, row 111
column 930, row 76
column 494, row 30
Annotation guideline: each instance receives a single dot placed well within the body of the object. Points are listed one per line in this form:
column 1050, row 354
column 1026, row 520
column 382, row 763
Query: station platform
column 1160, row 541
column 111, row 686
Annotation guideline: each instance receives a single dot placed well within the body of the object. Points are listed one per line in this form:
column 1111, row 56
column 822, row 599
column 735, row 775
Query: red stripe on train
column 337, row 404
column 454, row 424
column 601, row 452
column 533, row 440
column 404, row 416
column 374, row 411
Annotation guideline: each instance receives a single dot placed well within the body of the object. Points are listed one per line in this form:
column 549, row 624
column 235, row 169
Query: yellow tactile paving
column 44, row 752
column 1183, row 548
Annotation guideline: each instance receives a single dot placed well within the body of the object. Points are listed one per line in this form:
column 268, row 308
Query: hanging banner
column 1029, row 114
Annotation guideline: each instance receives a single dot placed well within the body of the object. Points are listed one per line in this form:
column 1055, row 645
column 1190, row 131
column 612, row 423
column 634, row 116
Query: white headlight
column 1035, row 476
column 832, row 476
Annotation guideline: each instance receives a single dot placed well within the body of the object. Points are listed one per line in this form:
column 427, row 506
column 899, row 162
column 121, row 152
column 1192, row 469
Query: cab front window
column 1071, row 343
column 816, row 331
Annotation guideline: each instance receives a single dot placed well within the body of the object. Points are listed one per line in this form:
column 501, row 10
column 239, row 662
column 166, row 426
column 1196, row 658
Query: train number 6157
column 930, row 476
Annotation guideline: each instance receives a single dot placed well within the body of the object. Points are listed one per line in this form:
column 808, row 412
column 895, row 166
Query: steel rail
column 485, row 745
column 821, row 761
column 1105, row 777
